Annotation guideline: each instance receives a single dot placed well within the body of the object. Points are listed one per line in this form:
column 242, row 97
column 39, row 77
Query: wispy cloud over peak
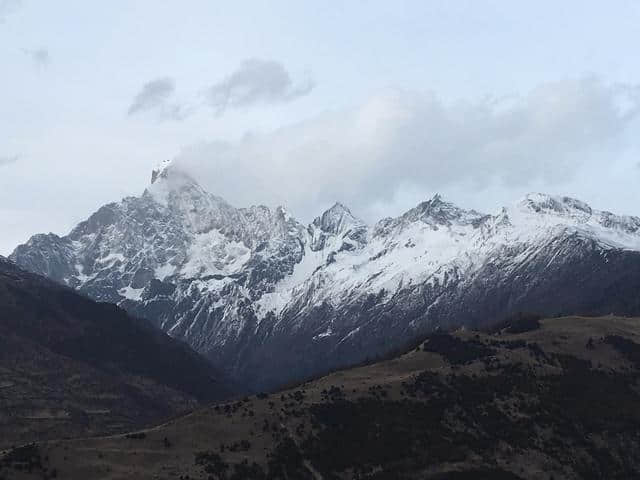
column 40, row 56
column 254, row 82
column 155, row 96
column 7, row 7
column 8, row 159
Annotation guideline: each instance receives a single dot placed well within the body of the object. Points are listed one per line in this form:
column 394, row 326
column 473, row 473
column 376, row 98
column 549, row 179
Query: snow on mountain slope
column 271, row 299
column 436, row 238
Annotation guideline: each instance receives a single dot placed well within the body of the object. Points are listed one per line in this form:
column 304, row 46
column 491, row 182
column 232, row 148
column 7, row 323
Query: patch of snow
column 82, row 278
column 164, row 271
column 131, row 293
column 327, row 333
column 212, row 253
column 111, row 258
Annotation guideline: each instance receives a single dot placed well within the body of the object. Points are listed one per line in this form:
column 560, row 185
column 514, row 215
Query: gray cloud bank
column 398, row 141
column 256, row 81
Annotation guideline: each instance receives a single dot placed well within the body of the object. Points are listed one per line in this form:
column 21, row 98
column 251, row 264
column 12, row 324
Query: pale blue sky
column 386, row 72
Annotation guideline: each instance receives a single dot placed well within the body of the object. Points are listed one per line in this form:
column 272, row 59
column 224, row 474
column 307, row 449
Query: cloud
column 40, row 56
column 154, row 97
column 7, row 7
column 398, row 146
column 254, row 82
column 8, row 159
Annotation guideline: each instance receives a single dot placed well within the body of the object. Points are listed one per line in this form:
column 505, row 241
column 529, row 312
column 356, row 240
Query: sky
column 375, row 104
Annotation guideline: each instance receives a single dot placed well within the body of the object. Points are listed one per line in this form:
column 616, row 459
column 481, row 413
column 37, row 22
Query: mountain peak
column 436, row 204
column 160, row 170
column 439, row 211
column 437, row 198
column 337, row 222
column 339, row 208
column 168, row 172
column 168, row 180
column 567, row 209
column 336, row 219
column 555, row 205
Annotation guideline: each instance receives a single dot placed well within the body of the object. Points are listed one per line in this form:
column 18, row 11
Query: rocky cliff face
column 272, row 300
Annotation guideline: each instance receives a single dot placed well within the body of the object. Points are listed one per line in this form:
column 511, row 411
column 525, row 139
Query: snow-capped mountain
column 272, row 300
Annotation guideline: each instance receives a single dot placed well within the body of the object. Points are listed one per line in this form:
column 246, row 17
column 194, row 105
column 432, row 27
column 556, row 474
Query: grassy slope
column 72, row 367
column 560, row 401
